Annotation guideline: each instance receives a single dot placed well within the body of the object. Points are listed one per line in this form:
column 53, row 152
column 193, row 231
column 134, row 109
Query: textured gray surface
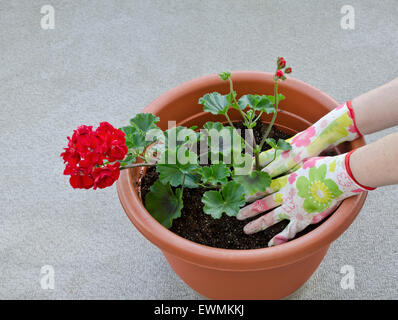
column 105, row 60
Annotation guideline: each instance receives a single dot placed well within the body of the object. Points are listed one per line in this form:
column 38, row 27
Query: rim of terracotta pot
column 233, row 259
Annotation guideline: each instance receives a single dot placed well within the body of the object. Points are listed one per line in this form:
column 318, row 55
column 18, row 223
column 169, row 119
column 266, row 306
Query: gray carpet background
column 106, row 60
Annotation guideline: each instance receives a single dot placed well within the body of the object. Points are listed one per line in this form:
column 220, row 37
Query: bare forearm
column 377, row 109
column 375, row 164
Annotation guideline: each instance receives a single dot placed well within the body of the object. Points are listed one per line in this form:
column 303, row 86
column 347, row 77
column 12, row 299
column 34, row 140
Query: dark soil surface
column 226, row 232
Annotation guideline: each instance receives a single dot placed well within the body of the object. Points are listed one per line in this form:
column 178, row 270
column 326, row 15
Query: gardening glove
column 335, row 127
column 304, row 197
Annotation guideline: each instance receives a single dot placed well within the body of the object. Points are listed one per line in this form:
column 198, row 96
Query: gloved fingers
column 288, row 233
column 278, row 166
column 256, row 196
column 277, row 184
column 266, row 157
column 295, row 226
column 295, row 168
column 263, row 222
column 322, row 215
column 257, row 207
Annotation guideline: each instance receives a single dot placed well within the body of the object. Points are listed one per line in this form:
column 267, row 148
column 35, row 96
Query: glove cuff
column 352, row 115
column 348, row 168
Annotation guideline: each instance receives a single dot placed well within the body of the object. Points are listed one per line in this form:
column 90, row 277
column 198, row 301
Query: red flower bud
column 288, row 70
column 281, row 63
column 279, row 73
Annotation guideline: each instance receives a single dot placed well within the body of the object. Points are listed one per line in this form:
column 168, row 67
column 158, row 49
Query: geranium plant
column 216, row 157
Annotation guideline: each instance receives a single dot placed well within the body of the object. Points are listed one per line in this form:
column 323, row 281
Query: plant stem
column 258, row 117
column 273, row 117
column 231, row 90
column 252, row 140
column 273, row 159
column 233, row 127
column 182, row 185
column 260, row 147
column 257, row 158
column 135, row 165
column 245, row 120
column 230, row 122
column 209, row 187
column 141, row 157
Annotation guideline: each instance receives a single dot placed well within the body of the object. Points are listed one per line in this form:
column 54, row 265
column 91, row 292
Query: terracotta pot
column 269, row 273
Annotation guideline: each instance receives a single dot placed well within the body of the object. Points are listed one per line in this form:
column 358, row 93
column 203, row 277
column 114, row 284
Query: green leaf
column 256, row 181
column 242, row 163
column 127, row 160
column 229, row 200
column 280, row 98
column 250, row 114
column 213, row 125
column 247, row 100
column 283, row 145
column 257, row 102
column 136, row 133
column 271, row 142
column 163, row 204
column 174, row 174
column 144, row 121
column 215, row 103
column 214, row 174
column 231, row 98
column 179, row 157
column 129, row 130
column 172, row 171
column 136, row 141
column 225, row 75
column 213, row 204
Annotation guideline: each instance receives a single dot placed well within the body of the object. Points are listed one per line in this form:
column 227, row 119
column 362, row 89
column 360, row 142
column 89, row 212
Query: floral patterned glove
column 335, row 127
column 304, row 197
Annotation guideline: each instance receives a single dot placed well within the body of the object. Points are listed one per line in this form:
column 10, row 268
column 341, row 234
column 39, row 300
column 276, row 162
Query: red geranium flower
column 81, row 182
column 88, row 150
column 106, row 176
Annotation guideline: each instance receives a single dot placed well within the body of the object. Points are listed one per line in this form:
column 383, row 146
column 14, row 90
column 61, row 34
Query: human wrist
column 352, row 116
column 355, row 177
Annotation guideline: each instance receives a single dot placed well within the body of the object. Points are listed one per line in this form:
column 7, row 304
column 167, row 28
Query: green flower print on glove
column 317, row 191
